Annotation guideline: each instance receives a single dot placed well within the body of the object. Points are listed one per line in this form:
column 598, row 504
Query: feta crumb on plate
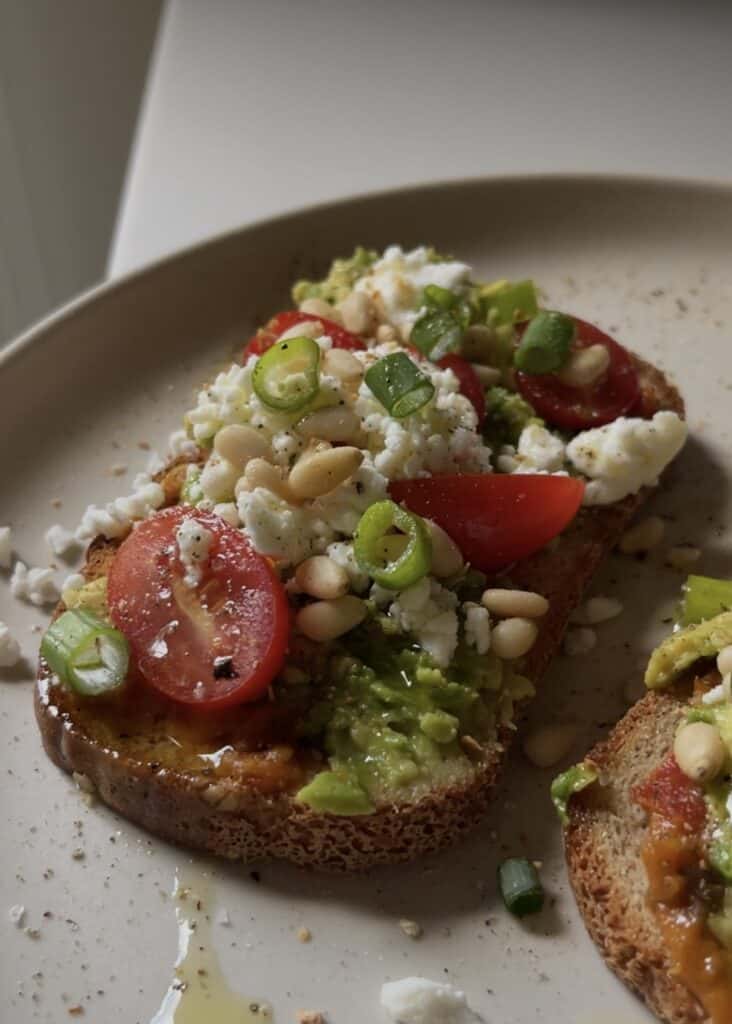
column 421, row 1001
column 60, row 540
column 35, row 585
column 9, row 648
column 194, row 543
column 6, row 547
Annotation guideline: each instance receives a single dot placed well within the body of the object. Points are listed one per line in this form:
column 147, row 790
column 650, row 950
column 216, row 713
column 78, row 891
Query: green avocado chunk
column 507, row 413
column 335, row 794
column 341, row 278
column 680, row 650
column 574, row 780
column 704, row 597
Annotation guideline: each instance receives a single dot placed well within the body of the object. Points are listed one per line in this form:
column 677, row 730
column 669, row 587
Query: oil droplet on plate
column 199, row 992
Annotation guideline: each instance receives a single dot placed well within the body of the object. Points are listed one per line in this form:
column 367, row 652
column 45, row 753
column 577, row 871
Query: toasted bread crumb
column 413, row 929
column 304, row 934
column 310, row 1017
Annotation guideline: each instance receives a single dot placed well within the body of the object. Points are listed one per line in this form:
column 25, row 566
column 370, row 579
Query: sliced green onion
column 704, row 597
column 399, row 385
column 380, row 551
column 286, row 376
column 572, row 781
column 508, row 302
column 546, row 343
column 85, row 653
column 520, row 886
column 439, row 298
column 437, row 332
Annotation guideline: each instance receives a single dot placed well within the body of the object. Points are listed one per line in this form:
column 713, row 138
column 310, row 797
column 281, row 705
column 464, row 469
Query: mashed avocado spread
column 341, row 278
column 390, row 721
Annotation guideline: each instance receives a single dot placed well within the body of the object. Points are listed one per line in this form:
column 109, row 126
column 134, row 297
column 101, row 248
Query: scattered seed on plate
column 410, row 928
column 304, row 934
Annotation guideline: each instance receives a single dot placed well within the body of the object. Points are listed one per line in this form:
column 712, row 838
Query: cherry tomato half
column 577, row 409
column 266, row 336
column 672, row 795
column 495, row 519
column 470, row 385
column 213, row 645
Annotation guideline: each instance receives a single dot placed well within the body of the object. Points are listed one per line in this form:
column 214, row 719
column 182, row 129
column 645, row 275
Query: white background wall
column 72, row 74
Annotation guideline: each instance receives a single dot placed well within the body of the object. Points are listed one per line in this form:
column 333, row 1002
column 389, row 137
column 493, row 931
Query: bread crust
column 603, row 843
column 245, row 823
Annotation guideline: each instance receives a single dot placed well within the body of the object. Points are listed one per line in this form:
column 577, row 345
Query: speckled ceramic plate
column 90, row 388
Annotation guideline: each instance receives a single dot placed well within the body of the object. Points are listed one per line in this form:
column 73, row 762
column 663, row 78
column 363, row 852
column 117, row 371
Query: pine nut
column 218, row 479
column 335, row 423
column 487, row 375
column 228, row 512
column 683, row 557
column 585, row 366
column 325, row 620
column 307, row 329
column 699, row 751
column 508, row 603
column 318, row 307
column 596, row 610
column 321, row 577
column 319, row 473
column 340, row 363
column 512, row 638
column 724, row 661
column 548, row 744
column 385, row 333
column 446, row 556
column 646, row 534
column 358, row 313
column 260, row 473
column 239, row 443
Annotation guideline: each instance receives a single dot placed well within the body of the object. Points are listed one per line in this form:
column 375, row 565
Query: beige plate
column 648, row 260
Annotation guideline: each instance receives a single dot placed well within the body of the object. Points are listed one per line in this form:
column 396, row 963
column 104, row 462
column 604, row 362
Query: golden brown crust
column 603, row 845
column 243, row 823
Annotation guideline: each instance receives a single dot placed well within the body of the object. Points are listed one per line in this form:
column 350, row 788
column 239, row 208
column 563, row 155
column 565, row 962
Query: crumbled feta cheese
column 538, row 451
column 16, row 915
column 396, row 281
column 477, row 626
column 421, row 1001
column 625, row 455
column 34, row 585
column 180, row 444
column 6, row 547
column 596, row 610
column 287, row 533
column 428, row 610
column 155, row 464
column 342, row 554
column 115, row 519
column 579, row 641
column 9, row 648
column 194, row 543
column 60, row 540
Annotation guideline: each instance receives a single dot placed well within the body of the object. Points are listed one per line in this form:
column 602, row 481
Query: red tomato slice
column 266, row 336
column 470, row 385
column 494, row 519
column 176, row 633
column 577, row 409
column 672, row 795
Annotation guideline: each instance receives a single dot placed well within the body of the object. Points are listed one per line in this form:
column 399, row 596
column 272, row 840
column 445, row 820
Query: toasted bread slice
column 603, row 843
column 242, row 806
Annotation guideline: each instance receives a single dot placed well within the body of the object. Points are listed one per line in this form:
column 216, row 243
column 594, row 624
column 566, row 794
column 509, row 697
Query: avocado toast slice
column 382, row 738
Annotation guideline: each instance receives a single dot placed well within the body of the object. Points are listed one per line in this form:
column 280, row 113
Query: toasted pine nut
column 699, row 751
column 228, row 512
column 305, row 329
column 724, row 661
column 548, row 744
column 218, row 479
column 260, row 473
column 487, row 375
column 646, row 534
column 321, row 577
column 318, row 307
column 683, row 557
column 319, row 473
column 342, row 364
column 585, row 366
column 508, row 603
column 385, row 332
column 239, row 443
column 596, row 610
column 512, row 638
column 358, row 313
column 335, row 423
column 446, row 556
column 326, row 620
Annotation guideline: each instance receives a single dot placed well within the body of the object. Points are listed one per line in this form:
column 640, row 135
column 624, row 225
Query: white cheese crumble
column 421, row 1001
column 428, row 610
column 9, row 648
column 180, row 444
column 194, row 543
column 6, row 547
column 396, row 281
column 342, row 554
column 287, row 533
column 625, row 455
column 16, row 915
column 116, row 518
column 538, row 451
column 34, row 585
column 477, row 626
column 60, row 540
